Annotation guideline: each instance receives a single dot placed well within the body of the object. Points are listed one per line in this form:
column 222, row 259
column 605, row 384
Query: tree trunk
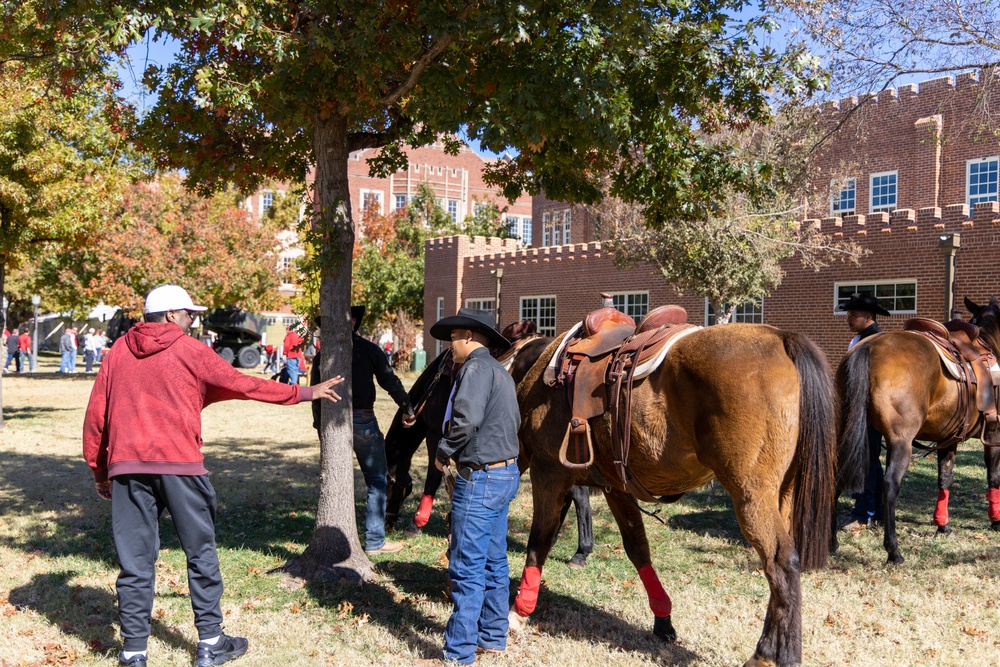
column 723, row 312
column 334, row 552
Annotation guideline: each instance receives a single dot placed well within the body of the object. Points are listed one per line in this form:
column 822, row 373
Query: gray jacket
column 484, row 415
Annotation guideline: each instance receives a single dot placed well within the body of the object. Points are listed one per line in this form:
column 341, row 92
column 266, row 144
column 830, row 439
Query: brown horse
column 896, row 383
column 749, row 405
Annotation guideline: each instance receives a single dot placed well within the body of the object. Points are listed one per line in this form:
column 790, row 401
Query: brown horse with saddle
column 930, row 382
column 660, row 411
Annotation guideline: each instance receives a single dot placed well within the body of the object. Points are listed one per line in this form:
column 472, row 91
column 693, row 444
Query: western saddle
column 597, row 363
column 970, row 361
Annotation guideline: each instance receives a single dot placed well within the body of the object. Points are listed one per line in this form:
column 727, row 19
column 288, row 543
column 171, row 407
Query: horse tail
column 853, row 377
column 816, row 453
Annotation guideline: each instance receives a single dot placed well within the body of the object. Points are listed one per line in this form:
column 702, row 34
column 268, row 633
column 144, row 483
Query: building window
column 546, row 232
column 400, row 202
column 633, row 304
column 542, row 311
column 371, row 200
column 286, row 263
column 266, row 201
column 526, row 231
column 480, row 304
column 567, row 218
column 883, row 198
column 748, row 312
column 982, row 180
column 556, row 231
column 453, row 210
column 844, row 200
column 896, row 297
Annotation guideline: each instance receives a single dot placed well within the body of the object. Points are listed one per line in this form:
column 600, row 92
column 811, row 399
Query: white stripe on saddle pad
column 647, row 367
column 562, row 345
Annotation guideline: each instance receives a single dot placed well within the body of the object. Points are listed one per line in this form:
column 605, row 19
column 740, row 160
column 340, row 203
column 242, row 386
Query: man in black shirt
column 369, row 365
column 861, row 309
column 481, row 439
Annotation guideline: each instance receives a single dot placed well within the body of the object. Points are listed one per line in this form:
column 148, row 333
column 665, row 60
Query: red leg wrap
column 527, row 593
column 941, row 511
column 423, row 514
column 993, row 496
column 659, row 601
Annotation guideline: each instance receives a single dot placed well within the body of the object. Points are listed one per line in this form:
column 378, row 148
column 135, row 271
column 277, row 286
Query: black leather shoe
column 226, row 649
column 134, row 661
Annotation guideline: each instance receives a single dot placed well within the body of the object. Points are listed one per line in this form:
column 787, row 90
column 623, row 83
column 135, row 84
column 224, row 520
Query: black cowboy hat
column 477, row 320
column 864, row 301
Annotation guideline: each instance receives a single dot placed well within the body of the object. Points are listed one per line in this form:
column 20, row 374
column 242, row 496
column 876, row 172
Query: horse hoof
column 943, row 531
column 578, row 562
column 995, row 525
column 412, row 531
column 517, row 622
column 664, row 629
column 894, row 559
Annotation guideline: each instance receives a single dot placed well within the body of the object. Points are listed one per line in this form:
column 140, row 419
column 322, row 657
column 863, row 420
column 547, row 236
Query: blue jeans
column 293, row 371
column 478, row 564
column 868, row 503
column 27, row 363
column 64, row 365
column 17, row 360
column 369, row 447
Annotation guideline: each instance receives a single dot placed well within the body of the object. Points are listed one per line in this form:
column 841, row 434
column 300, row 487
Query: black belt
column 488, row 466
column 364, row 414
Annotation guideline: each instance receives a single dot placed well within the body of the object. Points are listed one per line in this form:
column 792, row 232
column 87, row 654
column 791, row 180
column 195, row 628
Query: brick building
column 902, row 170
column 457, row 182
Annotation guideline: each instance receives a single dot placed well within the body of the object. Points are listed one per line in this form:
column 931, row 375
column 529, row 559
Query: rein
column 444, row 364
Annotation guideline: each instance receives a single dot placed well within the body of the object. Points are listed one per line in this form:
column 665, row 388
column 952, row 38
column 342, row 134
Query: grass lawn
column 57, row 565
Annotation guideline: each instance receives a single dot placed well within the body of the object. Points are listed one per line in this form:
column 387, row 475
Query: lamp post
column 949, row 243
column 35, row 300
column 499, row 276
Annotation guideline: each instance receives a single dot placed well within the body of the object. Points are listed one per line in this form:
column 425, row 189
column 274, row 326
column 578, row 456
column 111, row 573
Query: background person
column 12, row 352
column 24, row 351
column 90, row 349
column 294, row 358
column 142, row 440
column 481, row 439
column 861, row 311
column 66, row 350
column 368, row 365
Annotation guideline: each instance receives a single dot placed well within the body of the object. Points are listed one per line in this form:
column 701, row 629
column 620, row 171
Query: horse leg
column 629, row 519
column 548, row 488
column 992, row 457
column 431, row 484
column 898, row 452
column 946, row 474
column 580, row 497
column 761, row 521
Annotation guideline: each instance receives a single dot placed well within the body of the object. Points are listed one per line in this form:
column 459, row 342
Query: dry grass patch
column 57, row 566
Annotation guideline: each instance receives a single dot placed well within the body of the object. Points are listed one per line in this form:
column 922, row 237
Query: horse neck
column 991, row 334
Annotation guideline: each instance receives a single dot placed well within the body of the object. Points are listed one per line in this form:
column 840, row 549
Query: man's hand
column 409, row 419
column 104, row 490
column 325, row 389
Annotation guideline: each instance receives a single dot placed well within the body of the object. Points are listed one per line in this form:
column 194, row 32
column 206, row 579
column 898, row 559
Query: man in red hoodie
column 142, row 439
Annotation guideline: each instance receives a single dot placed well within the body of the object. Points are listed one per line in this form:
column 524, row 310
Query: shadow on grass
column 10, row 414
column 397, row 611
column 83, row 611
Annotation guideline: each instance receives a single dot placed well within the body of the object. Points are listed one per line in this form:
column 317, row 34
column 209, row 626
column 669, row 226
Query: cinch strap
column 941, row 511
column 659, row 601
column 993, row 495
column 527, row 593
column 423, row 514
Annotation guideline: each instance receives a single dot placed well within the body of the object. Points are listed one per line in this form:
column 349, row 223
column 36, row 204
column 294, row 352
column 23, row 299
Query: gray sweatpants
column 137, row 501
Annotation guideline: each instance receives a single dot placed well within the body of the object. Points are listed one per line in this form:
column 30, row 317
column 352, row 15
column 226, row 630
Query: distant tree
column 873, row 44
column 262, row 89
column 732, row 253
column 486, row 221
column 163, row 233
column 63, row 156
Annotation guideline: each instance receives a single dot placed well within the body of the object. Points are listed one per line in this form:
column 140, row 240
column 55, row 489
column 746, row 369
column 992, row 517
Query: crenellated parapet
column 955, row 217
column 932, row 91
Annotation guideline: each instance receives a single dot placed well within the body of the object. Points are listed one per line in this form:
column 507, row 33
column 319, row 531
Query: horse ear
column 971, row 306
column 994, row 302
